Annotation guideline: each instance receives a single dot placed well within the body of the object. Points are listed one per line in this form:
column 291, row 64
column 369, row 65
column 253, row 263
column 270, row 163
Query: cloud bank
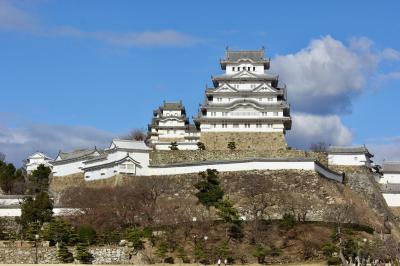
column 17, row 143
column 17, row 18
column 309, row 128
column 322, row 80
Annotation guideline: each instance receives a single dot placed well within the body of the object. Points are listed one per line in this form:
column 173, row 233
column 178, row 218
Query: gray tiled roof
column 75, row 154
column 255, row 77
column 391, row 167
column 173, row 105
column 348, row 150
column 192, row 128
column 256, row 55
column 265, row 76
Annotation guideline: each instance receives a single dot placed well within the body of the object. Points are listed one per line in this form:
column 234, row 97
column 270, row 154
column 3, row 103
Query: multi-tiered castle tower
column 246, row 105
column 170, row 124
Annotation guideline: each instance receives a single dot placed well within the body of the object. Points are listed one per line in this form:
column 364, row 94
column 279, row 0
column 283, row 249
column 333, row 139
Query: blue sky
column 77, row 73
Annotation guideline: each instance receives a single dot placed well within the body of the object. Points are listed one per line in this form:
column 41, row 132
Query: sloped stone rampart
column 48, row 255
column 259, row 141
column 183, row 156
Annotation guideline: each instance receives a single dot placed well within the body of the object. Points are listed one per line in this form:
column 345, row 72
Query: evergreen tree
column 83, row 254
column 223, row 250
column 135, row 237
column 227, row 212
column 231, row 145
column 174, row 146
column 39, row 179
column 11, row 180
column 57, row 231
column 182, row 254
column 209, row 190
column 162, row 249
column 73, row 238
column 260, row 253
column 87, row 234
column 63, row 254
column 199, row 252
column 7, row 177
column 201, row 146
column 35, row 211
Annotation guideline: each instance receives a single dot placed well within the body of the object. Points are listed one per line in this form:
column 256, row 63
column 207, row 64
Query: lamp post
column 36, row 247
column 205, row 250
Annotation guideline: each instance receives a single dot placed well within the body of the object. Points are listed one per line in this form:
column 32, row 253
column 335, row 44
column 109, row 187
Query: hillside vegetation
column 275, row 215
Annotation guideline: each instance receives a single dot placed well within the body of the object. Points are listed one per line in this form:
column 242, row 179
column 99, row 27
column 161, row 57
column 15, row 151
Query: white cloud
column 385, row 149
column 308, row 128
column 389, row 76
column 130, row 39
column 18, row 143
column 324, row 77
column 15, row 18
column 391, row 54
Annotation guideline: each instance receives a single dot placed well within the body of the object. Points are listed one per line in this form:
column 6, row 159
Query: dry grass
column 178, row 264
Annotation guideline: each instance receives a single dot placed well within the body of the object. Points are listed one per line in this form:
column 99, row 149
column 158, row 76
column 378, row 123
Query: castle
column 247, row 106
column 240, row 126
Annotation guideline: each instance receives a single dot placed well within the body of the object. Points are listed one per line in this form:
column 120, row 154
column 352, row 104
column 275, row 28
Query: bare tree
column 2, row 157
column 257, row 191
column 297, row 204
column 341, row 214
column 136, row 134
column 319, row 146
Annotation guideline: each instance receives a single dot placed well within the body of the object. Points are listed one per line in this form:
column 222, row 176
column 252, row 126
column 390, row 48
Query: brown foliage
column 142, row 202
column 136, row 134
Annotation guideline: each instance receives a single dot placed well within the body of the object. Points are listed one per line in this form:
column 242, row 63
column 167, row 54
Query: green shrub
column 174, row 146
column 182, row 255
column 87, row 234
column 83, row 254
column 135, row 236
column 288, row 221
column 63, row 254
column 260, row 253
column 231, row 145
column 57, row 231
column 201, row 146
column 328, row 249
column 361, row 228
column 334, row 261
column 162, row 249
column 169, row 260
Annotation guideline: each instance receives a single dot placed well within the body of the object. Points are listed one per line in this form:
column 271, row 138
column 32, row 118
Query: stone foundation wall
column 181, row 156
column 260, row 141
column 48, row 255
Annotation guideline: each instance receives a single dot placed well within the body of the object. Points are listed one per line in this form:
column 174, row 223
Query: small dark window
column 233, row 68
column 254, row 68
column 248, row 68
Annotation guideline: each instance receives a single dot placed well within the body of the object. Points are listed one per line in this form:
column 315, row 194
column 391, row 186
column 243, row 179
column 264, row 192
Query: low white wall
column 16, row 212
column 348, row 159
column 328, row 173
column 230, row 166
column 233, row 166
column 68, row 169
column 10, row 201
column 392, row 199
column 390, row 178
column 186, row 146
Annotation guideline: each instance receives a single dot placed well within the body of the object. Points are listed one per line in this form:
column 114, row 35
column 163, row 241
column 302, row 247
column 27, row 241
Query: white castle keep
column 245, row 98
